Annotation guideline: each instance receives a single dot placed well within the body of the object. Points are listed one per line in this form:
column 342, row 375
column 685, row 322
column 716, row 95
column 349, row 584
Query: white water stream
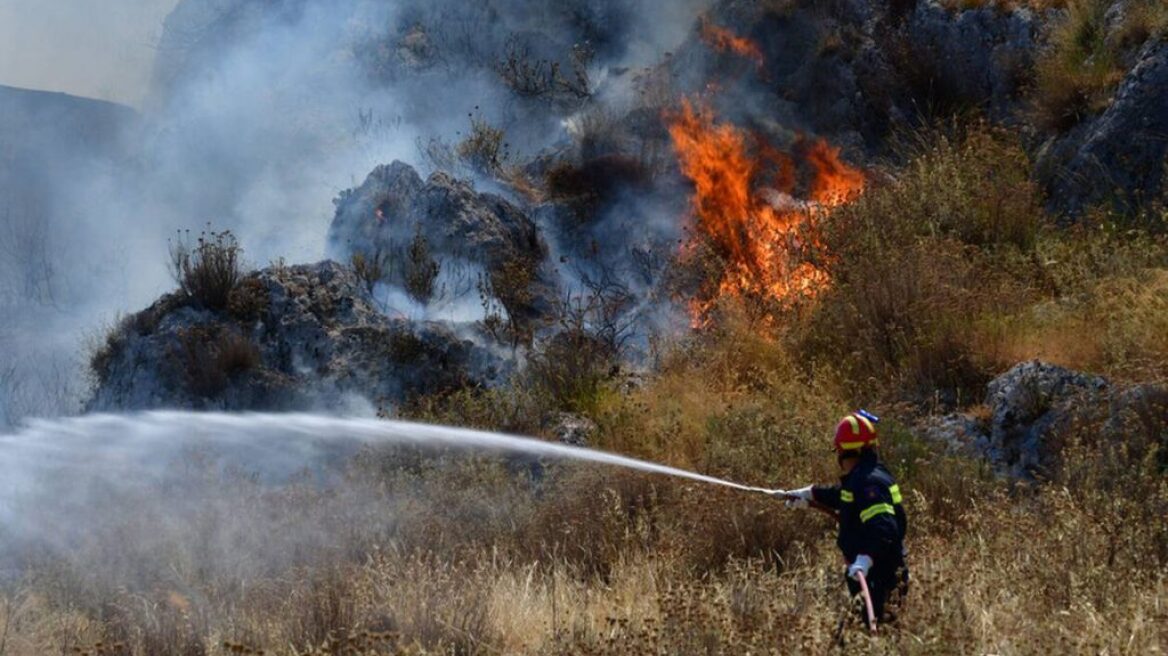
column 132, row 445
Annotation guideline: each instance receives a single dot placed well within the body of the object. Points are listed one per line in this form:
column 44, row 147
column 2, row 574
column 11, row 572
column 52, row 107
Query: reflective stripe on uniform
column 846, row 496
column 895, row 492
column 877, row 509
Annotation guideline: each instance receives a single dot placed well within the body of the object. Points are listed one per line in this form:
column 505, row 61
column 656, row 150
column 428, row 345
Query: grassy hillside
column 943, row 274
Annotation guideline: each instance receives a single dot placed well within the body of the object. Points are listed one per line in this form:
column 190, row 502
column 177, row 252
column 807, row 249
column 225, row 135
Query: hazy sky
column 96, row 48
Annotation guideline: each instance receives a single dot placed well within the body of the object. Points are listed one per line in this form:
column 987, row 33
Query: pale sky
column 94, row 48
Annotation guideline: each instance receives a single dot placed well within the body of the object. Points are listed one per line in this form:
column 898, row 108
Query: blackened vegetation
column 289, row 335
column 540, row 79
column 208, row 357
column 589, row 187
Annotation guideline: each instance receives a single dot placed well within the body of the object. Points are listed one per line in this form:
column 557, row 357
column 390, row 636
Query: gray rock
column 310, row 338
column 1122, row 155
column 853, row 71
column 1029, row 403
column 980, row 55
column 1035, row 408
column 456, row 220
column 959, row 433
column 573, row 429
column 464, row 229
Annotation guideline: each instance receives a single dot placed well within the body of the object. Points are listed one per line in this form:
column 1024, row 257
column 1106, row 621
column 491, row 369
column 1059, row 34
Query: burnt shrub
column 107, row 350
column 531, row 77
column 421, row 269
column 507, row 299
column 370, row 268
column 207, row 358
column 484, row 149
column 208, row 270
column 588, row 186
column 249, row 300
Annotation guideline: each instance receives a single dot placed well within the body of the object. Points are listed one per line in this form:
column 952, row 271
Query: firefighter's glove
column 800, row 498
column 860, row 566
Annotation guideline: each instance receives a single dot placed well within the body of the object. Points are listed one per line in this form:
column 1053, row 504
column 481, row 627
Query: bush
column 971, row 183
column 421, row 269
column 483, row 150
column 918, row 266
column 208, row 358
column 507, row 297
column 208, row 270
column 370, row 269
column 571, row 368
column 1076, row 76
column 249, row 300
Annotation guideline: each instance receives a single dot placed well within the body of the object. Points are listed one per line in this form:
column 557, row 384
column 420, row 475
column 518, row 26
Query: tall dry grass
column 1088, row 55
column 942, row 276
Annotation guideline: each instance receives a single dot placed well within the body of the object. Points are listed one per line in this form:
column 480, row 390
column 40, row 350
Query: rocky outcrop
column 1035, row 409
column 394, row 203
column 854, row 70
column 1029, row 404
column 1121, row 156
column 300, row 337
column 460, row 228
column 980, row 56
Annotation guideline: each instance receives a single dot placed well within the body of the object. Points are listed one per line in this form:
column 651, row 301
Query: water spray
column 283, row 443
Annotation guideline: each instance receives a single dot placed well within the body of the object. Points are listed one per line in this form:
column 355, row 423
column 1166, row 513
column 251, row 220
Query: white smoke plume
column 258, row 113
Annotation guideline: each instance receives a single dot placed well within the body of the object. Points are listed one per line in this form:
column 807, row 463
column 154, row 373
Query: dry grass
column 1119, row 326
column 474, row 557
column 1087, row 58
column 918, row 262
column 941, row 277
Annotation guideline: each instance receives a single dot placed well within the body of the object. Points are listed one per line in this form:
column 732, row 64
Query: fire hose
column 867, row 601
column 861, row 578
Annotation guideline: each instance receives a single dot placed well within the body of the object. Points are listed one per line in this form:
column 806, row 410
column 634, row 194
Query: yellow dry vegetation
column 944, row 274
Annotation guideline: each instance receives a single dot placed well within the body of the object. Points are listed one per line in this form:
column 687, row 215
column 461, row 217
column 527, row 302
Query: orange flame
column 723, row 40
column 745, row 209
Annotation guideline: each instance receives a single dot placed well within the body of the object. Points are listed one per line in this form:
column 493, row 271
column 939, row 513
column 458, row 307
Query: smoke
column 257, row 115
column 103, row 51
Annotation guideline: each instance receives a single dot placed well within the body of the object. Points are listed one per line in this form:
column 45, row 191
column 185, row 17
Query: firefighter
column 867, row 502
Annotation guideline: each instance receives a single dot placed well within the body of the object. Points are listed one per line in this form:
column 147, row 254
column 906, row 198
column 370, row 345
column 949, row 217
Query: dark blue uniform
column 871, row 521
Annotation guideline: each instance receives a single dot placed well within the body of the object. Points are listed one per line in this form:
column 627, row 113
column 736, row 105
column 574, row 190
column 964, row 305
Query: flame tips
column 746, row 209
column 723, row 40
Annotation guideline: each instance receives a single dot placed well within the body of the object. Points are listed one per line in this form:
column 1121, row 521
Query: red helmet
column 855, row 431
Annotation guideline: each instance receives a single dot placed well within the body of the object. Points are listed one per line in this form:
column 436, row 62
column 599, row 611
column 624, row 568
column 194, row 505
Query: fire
column 745, row 208
column 722, row 39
